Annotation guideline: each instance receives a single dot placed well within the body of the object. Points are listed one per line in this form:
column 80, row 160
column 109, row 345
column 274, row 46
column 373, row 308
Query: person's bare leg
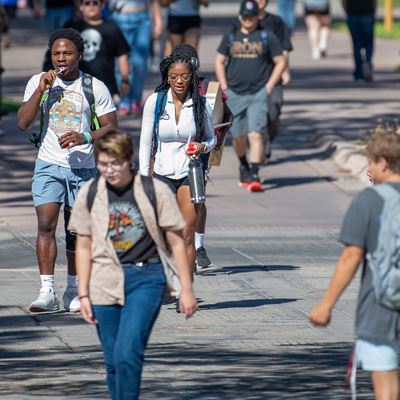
column 313, row 26
column 201, row 218
column 46, row 246
column 240, row 145
column 188, row 211
column 386, row 385
column 175, row 39
column 192, row 37
column 256, row 150
column 325, row 21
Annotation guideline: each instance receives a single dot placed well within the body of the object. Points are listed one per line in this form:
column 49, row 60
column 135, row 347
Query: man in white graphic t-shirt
column 65, row 159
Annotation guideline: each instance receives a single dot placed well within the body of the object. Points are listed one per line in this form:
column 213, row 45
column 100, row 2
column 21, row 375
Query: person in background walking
column 120, row 247
column 318, row 22
column 360, row 20
column 135, row 19
column 185, row 119
column 104, row 44
column 287, row 11
column 249, row 64
column 58, row 12
column 184, row 21
column 65, row 159
column 276, row 25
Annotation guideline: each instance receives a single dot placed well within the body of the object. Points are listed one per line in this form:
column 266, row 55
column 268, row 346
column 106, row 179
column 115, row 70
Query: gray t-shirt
column 361, row 228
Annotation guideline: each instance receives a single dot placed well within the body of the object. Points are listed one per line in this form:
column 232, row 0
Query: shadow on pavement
column 276, row 183
column 295, row 372
column 245, row 303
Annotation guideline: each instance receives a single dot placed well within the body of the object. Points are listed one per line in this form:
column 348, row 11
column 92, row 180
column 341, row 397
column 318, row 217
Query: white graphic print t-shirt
column 66, row 109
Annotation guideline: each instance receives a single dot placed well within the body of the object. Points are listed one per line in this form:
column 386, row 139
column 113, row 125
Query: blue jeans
column 137, row 31
column 57, row 17
column 362, row 34
column 125, row 330
column 286, row 11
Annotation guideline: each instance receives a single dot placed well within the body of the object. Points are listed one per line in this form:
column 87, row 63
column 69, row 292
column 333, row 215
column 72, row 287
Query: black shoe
column 244, row 176
column 177, row 309
column 202, row 259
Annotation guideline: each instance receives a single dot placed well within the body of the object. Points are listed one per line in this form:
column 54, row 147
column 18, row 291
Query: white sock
column 72, row 281
column 47, row 281
column 199, row 240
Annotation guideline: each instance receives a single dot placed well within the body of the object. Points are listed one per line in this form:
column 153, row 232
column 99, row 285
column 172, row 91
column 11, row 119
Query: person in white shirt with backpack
column 68, row 126
column 182, row 116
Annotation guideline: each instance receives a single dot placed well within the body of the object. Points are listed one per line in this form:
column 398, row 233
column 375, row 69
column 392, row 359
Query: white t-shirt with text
column 66, row 109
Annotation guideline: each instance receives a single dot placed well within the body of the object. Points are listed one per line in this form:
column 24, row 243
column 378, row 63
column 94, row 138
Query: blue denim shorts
column 376, row 355
column 52, row 183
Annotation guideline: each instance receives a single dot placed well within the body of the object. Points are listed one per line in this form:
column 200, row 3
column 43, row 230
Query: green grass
column 9, row 105
column 396, row 3
column 379, row 31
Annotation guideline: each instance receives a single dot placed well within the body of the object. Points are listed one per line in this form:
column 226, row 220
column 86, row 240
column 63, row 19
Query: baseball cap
column 249, row 8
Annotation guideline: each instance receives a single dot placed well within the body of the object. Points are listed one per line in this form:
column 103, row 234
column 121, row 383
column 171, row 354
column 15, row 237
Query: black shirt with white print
column 250, row 59
column 126, row 228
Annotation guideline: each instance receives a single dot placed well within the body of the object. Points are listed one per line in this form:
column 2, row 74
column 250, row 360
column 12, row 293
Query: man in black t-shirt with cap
column 249, row 64
column 360, row 20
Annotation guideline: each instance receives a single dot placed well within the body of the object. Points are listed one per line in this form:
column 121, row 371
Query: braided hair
column 187, row 54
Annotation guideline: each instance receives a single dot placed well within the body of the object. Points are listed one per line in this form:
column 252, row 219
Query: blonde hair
column 387, row 146
column 115, row 143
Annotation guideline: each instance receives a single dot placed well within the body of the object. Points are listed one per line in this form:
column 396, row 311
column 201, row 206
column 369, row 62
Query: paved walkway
column 273, row 252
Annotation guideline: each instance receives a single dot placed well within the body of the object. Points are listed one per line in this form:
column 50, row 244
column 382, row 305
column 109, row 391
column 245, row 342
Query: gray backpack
column 385, row 260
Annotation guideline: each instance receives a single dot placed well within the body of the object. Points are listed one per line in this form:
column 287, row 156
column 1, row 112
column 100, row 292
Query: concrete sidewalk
column 273, row 252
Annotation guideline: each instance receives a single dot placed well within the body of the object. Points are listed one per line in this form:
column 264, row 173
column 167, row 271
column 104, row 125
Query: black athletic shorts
column 179, row 25
column 175, row 184
column 309, row 11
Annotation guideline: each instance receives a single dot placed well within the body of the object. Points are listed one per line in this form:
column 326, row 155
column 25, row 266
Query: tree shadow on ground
column 280, row 372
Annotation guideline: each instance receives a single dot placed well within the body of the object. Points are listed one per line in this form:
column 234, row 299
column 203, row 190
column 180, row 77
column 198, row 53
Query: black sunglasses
column 89, row 2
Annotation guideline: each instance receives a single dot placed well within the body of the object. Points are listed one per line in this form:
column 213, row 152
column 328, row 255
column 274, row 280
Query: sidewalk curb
column 346, row 154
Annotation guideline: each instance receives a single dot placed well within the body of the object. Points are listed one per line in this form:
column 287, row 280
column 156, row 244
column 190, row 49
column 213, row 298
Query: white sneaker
column 71, row 300
column 315, row 54
column 47, row 301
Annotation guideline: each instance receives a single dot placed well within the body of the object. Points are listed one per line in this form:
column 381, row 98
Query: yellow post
column 388, row 18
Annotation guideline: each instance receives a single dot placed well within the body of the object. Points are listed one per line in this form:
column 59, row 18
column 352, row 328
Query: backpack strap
column 387, row 192
column 264, row 38
column 43, row 99
column 87, row 87
column 231, row 39
column 91, row 194
column 148, row 186
column 158, row 111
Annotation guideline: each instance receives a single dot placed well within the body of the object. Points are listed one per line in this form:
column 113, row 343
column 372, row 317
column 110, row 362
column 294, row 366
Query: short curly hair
column 67, row 33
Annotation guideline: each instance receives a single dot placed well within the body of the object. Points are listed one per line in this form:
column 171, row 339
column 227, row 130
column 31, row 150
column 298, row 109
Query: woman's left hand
column 195, row 149
column 188, row 303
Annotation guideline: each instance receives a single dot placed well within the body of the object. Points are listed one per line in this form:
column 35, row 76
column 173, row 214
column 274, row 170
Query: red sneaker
column 255, row 184
column 123, row 111
column 136, row 108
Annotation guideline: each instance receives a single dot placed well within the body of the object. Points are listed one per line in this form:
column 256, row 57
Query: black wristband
column 125, row 81
column 84, row 296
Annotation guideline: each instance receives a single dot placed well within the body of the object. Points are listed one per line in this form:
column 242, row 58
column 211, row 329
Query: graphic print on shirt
column 92, row 42
column 125, row 226
column 65, row 110
column 246, row 49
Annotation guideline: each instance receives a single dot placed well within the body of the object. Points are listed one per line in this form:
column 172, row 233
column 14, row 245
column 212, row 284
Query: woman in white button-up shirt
column 185, row 119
